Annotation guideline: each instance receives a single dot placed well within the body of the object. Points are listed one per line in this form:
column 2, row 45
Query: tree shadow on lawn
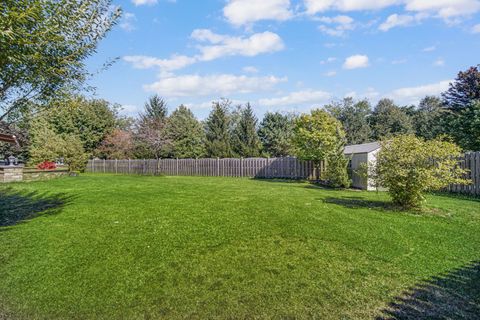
column 359, row 202
column 17, row 206
column 459, row 196
column 455, row 295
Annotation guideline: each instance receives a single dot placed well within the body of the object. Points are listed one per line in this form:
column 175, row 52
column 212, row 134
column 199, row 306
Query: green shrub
column 47, row 145
column 318, row 137
column 409, row 167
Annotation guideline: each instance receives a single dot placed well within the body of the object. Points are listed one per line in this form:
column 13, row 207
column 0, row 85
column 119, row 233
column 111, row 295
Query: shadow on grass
column 359, row 202
column 282, row 180
column 455, row 295
column 459, row 196
column 16, row 206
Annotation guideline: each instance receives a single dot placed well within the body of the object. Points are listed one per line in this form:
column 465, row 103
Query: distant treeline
column 230, row 130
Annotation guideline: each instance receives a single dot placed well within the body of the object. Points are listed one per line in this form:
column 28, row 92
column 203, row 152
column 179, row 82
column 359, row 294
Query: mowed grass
column 130, row 247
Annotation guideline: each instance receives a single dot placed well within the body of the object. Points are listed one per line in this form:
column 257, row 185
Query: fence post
column 128, row 166
column 218, row 167
column 116, row 166
column 176, row 163
column 158, row 166
column 241, row 167
column 93, row 165
column 104, row 165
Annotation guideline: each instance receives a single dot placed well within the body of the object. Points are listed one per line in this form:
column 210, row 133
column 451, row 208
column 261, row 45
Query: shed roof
column 362, row 148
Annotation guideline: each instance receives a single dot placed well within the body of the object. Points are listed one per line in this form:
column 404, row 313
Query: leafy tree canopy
column 464, row 90
column 44, row 45
column 91, row 120
column 388, row 120
column 316, row 135
column 354, row 117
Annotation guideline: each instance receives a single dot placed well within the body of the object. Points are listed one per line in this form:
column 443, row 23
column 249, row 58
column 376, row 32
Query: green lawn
column 128, row 247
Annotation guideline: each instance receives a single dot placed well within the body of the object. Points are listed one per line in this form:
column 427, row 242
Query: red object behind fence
column 47, row 165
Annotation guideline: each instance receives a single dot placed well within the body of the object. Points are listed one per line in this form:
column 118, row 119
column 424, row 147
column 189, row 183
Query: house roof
column 362, row 148
column 8, row 138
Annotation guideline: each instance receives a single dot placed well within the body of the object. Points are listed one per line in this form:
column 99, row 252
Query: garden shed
column 359, row 154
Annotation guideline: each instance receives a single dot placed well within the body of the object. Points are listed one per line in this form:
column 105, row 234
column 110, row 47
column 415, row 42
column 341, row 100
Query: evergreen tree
column 155, row 109
column 151, row 140
column 217, row 130
column 388, row 120
column 186, row 134
column 275, row 133
column 245, row 138
column 354, row 117
column 464, row 127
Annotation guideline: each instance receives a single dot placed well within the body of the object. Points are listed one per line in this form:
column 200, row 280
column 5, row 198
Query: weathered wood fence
column 471, row 162
column 288, row 167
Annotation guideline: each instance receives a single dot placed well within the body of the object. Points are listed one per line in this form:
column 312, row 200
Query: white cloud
column 336, row 26
column 439, row 62
column 144, row 2
column 415, row 94
column 244, row 12
column 127, row 21
column 328, row 60
column 207, row 35
column 250, row 69
column 429, row 49
column 129, row 110
column 476, row 28
column 316, row 6
column 445, row 9
column 173, row 63
column 221, row 45
column 298, row 97
column 222, row 84
column 396, row 20
column 332, row 73
column 355, row 62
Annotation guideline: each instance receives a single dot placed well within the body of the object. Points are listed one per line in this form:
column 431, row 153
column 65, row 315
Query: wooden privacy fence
column 289, row 167
column 471, row 162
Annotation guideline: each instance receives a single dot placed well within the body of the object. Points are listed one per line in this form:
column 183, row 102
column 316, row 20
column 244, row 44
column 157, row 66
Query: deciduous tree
column 464, row 90
column 44, row 45
column 409, row 166
column 389, row 120
column 316, row 136
column 354, row 117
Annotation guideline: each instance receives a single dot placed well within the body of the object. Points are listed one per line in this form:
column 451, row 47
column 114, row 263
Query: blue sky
column 286, row 55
